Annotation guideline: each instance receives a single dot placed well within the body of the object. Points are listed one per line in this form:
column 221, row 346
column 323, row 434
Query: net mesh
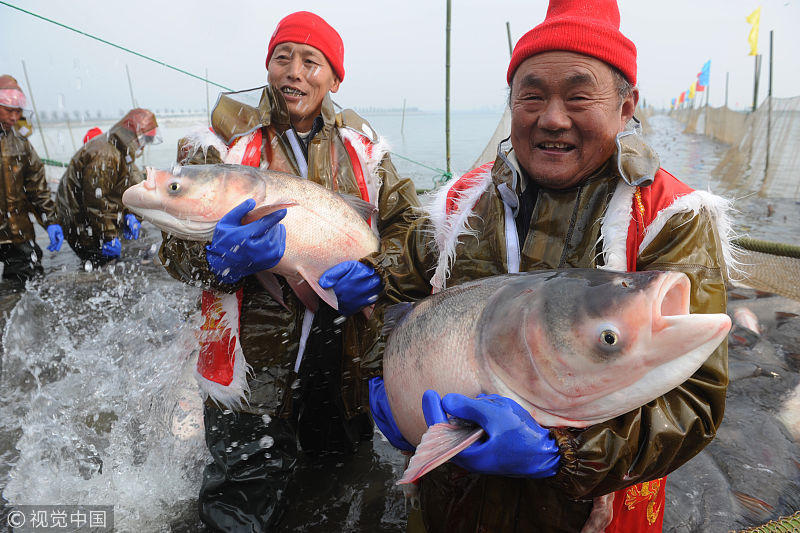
column 763, row 157
column 772, row 273
column 790, row 524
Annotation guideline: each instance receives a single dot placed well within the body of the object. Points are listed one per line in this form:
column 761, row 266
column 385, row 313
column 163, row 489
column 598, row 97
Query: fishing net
column 763, row 157
column 769, row 266
column 789, row 524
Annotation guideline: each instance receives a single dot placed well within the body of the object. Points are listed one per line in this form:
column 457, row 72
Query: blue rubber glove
column 515, row 445
column 382, row 415
column 356, row 285
column 112, row 248
column 130, row 230
column 56, row 235
column 238, row 250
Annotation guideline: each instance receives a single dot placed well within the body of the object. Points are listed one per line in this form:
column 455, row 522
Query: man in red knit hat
column 573, row 187
column 291, row 375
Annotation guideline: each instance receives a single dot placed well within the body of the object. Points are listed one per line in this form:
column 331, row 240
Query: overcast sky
column 393, row 50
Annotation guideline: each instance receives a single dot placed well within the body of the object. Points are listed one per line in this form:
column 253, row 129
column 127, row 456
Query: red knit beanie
column 307, row 28
column 589, row 27
column 91, row 134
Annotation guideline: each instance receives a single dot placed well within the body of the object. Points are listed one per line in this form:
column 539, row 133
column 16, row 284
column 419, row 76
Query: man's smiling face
column 565, row 114
column 302, row 74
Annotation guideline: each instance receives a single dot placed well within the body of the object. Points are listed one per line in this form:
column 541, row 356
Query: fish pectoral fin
column 264, row 210
column 327, row 295
column 270, row 283
column 438, row 445
column 364, row 209
column 307, row 296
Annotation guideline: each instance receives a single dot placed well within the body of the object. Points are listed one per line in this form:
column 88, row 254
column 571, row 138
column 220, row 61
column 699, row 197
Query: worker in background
column 89, row 198
column 24, row 191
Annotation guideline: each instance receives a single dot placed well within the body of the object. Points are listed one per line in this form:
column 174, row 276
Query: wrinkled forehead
column 301, row 49
column 561, row 70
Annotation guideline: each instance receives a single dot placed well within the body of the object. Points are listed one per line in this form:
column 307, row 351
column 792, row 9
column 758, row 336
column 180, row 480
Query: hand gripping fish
column 574, row 347
column 323, row 228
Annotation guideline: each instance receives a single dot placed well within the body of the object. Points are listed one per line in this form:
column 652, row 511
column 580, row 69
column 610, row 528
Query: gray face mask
column 636, row 160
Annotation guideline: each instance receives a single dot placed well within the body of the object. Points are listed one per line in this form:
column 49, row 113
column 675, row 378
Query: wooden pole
column 755, row 83
column 72, row 140
column 727, row 77
column 769, row 108
column 35, row 113
column 208, row 105
column 130, row 86
column 508, row 33
column 447, row 89
column 403, row 117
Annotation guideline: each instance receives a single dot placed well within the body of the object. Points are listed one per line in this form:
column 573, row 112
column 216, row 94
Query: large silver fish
column 323, row 228
column 574, row 347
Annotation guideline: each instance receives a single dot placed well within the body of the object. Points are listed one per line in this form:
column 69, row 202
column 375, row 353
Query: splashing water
column 97, row 402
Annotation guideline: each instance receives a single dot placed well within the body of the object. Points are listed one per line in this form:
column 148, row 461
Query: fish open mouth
column 672, row 300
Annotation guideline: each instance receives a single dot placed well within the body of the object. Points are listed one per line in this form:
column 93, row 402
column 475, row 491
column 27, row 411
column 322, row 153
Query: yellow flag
column 754, row 18
column 692, row 89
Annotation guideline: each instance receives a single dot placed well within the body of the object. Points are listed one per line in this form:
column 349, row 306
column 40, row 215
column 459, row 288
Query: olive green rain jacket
column 642, row 445
column 89, row 197
column 270, row 333
column 24, row 190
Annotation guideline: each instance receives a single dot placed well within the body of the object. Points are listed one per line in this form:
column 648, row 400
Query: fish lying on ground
column 323, row 228
column 745, row 318
column 574, row 347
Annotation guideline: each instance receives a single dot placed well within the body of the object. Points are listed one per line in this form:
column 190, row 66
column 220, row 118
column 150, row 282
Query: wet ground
column 98, row 405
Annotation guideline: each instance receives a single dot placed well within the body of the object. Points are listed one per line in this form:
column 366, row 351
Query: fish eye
column 173, row 187
column 609, row 336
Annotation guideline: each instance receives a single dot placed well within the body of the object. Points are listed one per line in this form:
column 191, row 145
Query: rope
column 162, row 63
column 768, row 247
column 443, row 174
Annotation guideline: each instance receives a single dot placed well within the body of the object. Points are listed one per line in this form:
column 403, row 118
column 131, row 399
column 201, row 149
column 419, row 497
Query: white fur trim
column 614, row 228
column 236, row 151
column 717, row 206
column 235, row 394
column 448, row 229
column 203, row 138
column 370, row 160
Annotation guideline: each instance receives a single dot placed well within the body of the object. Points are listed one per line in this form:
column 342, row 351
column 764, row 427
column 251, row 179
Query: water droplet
column 266, row 419
column 87, row 266
column 98, row 193
column 339, row 319
column 266, row 442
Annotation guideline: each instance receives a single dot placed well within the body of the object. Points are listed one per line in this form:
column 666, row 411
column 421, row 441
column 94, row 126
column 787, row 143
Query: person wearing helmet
column 24, row 191
column 89, row 197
